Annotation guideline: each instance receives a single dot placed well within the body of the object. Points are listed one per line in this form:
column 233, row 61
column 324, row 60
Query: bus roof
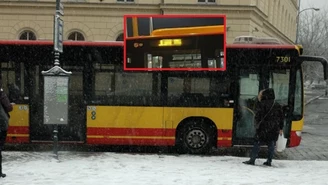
column 262, row 46
column 121, row 44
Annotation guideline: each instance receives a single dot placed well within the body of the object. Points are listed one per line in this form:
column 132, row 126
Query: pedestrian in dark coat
column 5, row 108
column 269, row 122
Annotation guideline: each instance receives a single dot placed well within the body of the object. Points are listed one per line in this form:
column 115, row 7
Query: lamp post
column 298, row 18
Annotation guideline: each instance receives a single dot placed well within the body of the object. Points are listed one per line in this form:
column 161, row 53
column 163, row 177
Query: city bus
column 253, row 64
column 191, row 110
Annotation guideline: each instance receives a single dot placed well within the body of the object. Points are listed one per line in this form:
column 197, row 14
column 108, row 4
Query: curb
column 314, row 98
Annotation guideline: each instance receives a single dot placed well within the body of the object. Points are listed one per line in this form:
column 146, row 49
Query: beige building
column 102, row 20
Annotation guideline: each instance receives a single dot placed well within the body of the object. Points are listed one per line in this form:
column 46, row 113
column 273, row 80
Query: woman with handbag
column 269, row 122
column 5, row 108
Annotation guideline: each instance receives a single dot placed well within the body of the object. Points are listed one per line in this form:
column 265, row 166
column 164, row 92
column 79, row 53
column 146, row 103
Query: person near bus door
column 5, row 108
column 268, row 123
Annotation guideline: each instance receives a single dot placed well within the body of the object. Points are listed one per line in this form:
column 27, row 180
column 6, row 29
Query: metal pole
column 58, row 31
column 326, row 92
column 297, row 20
column 151, row 27
column 56, row 58
column 55, row 132
column 58, row 26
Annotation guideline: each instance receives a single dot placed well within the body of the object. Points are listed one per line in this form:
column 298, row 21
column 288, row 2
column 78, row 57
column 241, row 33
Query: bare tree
column 313, row 35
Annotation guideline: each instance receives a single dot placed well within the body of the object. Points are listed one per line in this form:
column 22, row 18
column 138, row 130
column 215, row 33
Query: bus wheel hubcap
column 196, row 138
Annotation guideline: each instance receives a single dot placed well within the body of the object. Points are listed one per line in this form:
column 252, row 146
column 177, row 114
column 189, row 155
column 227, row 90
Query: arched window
column 27, row 35
column 120, row 37
column 75, row 36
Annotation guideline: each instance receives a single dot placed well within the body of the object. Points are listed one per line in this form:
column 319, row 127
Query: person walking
column 5, row 108
column 269, row 122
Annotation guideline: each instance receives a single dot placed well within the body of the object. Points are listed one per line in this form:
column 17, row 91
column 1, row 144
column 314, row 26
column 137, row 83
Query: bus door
column 288, row 93
column 248, row 88
column 74, row 131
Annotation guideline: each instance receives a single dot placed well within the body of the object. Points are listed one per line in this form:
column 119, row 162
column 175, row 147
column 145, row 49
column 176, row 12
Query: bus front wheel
column 195, row 137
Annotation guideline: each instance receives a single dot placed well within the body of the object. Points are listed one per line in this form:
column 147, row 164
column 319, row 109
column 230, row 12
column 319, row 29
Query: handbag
column 281, row 143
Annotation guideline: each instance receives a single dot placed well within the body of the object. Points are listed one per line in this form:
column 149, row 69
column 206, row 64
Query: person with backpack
column 269, row 122
column 5, row 108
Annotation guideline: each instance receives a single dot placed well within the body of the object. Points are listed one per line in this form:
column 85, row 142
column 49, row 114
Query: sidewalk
column 312, row 147
column 314, row 143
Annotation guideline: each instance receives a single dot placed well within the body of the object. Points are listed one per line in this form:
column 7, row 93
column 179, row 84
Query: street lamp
column 298, row 19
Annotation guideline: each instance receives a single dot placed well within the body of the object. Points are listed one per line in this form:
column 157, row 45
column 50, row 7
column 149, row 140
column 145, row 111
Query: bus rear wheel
column 196, row 137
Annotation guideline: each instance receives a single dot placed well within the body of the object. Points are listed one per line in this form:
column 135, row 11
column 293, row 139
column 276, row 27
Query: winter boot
column 267, row 163
column 250, row 162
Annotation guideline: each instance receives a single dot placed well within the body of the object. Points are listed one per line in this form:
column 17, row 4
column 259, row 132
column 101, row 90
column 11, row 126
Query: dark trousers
column 3, row 135
column 0, row 162
column 256, row 149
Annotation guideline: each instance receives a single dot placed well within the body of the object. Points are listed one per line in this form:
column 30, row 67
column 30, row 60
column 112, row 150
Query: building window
column 206, row 1
column 125, row 1
column 76, row 36
column 27, row 35
column 120, row 37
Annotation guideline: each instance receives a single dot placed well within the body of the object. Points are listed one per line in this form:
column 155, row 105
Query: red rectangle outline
column 175, row 16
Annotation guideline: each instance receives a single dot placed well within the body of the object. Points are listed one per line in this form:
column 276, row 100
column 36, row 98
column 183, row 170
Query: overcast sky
column 314, row 3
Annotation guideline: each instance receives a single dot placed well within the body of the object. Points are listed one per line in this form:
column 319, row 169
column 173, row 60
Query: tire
column 196, row 137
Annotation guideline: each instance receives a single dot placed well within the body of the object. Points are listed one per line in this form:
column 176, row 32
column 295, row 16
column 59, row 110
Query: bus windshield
column 279, row 81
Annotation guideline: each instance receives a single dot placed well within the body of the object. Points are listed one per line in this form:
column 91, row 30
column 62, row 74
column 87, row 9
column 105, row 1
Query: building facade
column 102, row 20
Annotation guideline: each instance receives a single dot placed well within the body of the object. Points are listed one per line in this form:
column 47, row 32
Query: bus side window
column 220, row 92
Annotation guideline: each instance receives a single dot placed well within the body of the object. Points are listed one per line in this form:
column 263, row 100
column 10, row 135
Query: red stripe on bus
column 131, row 131
column 295, row 140
column 18, row 130
column 121, row 44
column 224, row 133
column 132, row 141
column 170, row 132
column 224, row 143
column 18, row 139
column 66, row 43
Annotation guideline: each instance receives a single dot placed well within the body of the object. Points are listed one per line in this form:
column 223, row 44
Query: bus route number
column 283, row 59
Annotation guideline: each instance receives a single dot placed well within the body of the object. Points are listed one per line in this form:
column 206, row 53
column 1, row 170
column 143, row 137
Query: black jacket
column 269, row 118
column 5, row 102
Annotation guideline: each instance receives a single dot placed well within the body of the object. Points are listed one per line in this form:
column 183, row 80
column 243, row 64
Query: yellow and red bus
column 192, row 110
column 227, row 98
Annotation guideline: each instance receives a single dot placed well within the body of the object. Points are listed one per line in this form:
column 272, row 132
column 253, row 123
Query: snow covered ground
column 82, row 168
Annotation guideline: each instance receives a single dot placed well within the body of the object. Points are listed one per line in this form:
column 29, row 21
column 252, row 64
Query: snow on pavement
column 82, row 168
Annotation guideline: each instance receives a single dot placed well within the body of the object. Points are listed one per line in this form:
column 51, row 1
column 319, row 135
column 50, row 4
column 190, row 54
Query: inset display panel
column 175, row 42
